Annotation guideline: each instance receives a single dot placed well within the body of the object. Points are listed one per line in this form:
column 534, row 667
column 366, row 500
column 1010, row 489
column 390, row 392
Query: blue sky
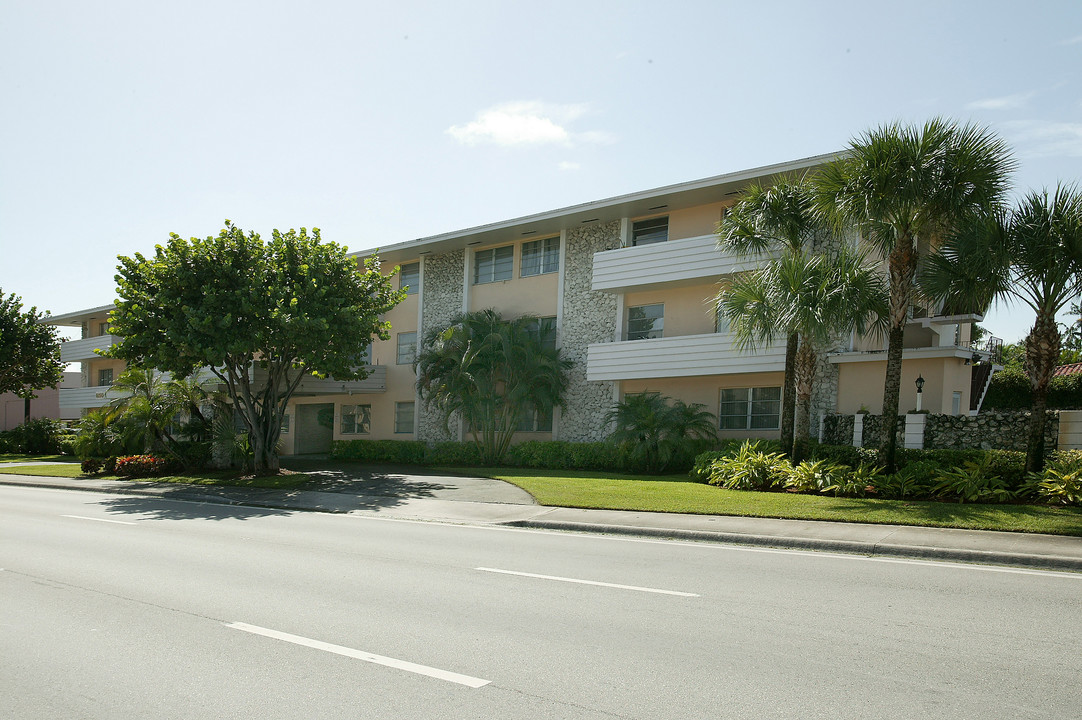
column 383, row 122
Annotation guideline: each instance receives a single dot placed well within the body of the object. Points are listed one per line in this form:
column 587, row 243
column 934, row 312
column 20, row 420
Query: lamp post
column 920, row 391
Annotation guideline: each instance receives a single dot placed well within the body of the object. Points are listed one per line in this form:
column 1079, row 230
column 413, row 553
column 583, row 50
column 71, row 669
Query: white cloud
column 1007, row 102
column 1042, row 138
column 568, row 165
column 524, row 123
column 1072, row 41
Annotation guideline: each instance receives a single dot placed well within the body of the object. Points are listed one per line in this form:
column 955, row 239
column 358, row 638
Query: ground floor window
column 285, row 424
column 754, row 408
column 403, row 417
column 534, row 421
column 356, row 419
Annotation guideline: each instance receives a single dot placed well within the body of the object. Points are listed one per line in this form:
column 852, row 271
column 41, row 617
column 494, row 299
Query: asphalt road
column 127, row 606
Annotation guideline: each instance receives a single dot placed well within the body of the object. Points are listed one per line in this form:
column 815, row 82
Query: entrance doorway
column 315, row 428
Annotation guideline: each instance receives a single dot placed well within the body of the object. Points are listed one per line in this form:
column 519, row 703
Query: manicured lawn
column 72, row 470
column 18, row 457
column 675, row 493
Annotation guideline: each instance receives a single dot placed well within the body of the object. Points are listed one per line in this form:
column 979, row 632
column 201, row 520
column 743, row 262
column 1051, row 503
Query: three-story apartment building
column 628, row 284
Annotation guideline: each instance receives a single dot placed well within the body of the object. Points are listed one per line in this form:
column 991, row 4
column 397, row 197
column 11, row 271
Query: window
column 103, row 328
column 403, row 417
column 105, row 377
column 534, row 421
column 409, row 278
column 540, row 257
column 721, row 320
column 364, row 358
column 285, row 424
column 956, row 403
column 544, row 329
column 750, row 408
column 493, row 265
column 648, row 232
column 645, row 321
column 407, row 348
column 356, row 419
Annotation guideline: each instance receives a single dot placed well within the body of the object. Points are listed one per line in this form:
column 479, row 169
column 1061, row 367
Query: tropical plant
column 902, row 187
column 816, row 296
column 813, row 475
column 973, row 482
column 655, row 433
column 260, row 316
column 1032, row 254
column 751, row 468
column 493, row 373
column 766, row 219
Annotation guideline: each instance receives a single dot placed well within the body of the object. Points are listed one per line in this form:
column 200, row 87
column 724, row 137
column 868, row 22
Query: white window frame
column 752, row 397
column 102, row 374
column 650, row 231
column 546, row 252
column 406, row 348
column 657, row 328
column 487, row 262
column 361, row 422
column 399, row 407
column 414, row 286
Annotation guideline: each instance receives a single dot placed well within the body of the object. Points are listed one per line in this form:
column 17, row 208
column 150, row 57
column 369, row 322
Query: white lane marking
column 83, row 517
column 588, row 582
column 361, row 655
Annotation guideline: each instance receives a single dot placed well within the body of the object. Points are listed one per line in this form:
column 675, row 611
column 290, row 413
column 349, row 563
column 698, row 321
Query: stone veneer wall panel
column 441, row 299
column 588, row 317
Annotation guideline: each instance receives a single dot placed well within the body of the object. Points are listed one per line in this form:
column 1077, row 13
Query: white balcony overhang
column 87, row 348
column 89, row 397
column 691, row 261
column 376, row 382
column 926, row 353
column 684, row 356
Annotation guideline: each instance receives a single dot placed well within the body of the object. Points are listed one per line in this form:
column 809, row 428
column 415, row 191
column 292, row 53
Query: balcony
column 691, row 261
column 376, row 382
column 88, row 397
column 79, row 350
column 684, row 356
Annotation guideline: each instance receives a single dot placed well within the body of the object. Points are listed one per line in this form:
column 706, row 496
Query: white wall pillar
column 914, row 430
column 858, row 430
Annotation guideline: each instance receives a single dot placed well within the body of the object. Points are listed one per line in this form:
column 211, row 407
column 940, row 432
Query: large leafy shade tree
column 493, row 373
column 770, row 218
column 293, row 307
column 1032, row 254
column 816, row 297
column 902, row 187
column 29, row 350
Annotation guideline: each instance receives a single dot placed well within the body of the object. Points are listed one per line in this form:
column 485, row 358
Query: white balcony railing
column 691, row 261
column 684, row 356
column 88, row 397
column 376, row 382
column 79, row 350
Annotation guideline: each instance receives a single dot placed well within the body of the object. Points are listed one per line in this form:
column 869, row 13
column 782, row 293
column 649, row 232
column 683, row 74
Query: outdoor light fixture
column 920, row 391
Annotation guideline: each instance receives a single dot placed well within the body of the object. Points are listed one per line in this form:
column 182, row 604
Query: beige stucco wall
column 695, row 222
column 861, row 384
column 706, row 390
column 688, row 310
column 534, row 295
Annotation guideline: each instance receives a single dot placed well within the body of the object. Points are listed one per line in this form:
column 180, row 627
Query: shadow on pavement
column 179, row 505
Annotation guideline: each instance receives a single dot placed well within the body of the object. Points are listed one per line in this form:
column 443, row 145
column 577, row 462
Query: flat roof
column 77, row 317
column 668, row 197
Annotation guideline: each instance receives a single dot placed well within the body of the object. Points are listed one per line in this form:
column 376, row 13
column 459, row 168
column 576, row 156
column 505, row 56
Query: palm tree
column 492, row 372
column 816, row 297
column 768, row 218
column 903, row 187
column 656, row 433
column 150, row 401
column 1032, row 254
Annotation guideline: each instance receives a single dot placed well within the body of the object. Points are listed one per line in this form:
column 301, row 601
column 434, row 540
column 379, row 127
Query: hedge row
column 1010, row 390
column 555, row 455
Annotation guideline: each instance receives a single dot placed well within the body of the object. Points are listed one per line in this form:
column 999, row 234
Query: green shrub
column 91, row 466
column 597, row 456
column 973, row 482
column 857, row 482
column 194, row 454
column 402, row 452
column 555, row 454
column 65, row 443
column 915, row 480
column 1062, row 486
column 843, row 454
column 454, row 454
column 35, row 437
column 813, row 475
column 750, row 469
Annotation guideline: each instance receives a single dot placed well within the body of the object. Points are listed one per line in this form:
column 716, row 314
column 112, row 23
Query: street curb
column 851, row 547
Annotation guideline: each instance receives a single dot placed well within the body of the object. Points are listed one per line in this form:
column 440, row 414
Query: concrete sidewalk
column 1048, row 552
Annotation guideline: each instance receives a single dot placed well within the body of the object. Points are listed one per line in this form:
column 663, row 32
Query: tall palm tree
column 902, row 187
column 1032, row 254
column 779, row 216
column 814, row 296
column 493, row 372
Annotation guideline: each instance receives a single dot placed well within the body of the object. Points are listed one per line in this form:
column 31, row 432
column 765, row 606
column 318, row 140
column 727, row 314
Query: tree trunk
column 788, row 395
column 903, row 267
column 1042, row 352
column 804, row 378
column 26, row 409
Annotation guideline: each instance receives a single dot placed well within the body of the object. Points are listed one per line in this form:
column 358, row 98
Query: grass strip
column 223, row 477
column 676, row 493
column 22, row 457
